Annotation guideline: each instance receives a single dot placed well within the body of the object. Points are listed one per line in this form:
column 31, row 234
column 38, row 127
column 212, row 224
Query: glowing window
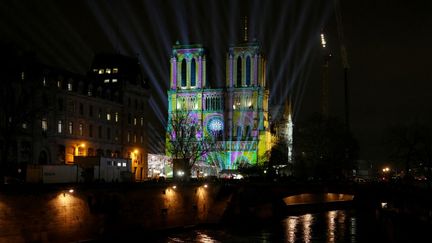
column 22, row 75
column 70, row 127
column 106, row 81
column 115, row 70
column 58, row 84
column 135, row 120
column 215, row 126
column 44, row 81
column 108, row 116
column 142, row 121
column 124, row 164
column 116, row 117
column 95, row 70
column 69, row 86
column 80, row 129
column 114, row 80
column 101, row 71
column 59, row 127
column 119, row 164
column 24, row 125
column 108, row 71
column 44, row 124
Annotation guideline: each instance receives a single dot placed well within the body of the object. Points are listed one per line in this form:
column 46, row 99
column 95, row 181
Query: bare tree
column 186, row 141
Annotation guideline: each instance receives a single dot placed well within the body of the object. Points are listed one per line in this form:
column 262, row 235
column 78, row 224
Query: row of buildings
column 51, row 116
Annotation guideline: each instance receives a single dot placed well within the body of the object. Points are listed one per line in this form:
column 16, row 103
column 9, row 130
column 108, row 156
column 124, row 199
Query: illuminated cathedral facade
column 236, row 114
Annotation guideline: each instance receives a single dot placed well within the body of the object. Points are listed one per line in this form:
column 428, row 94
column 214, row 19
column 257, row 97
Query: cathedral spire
column 245, row 29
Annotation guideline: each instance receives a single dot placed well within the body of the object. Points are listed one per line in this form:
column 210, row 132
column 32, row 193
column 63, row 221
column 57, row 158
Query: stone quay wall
column 67, row 213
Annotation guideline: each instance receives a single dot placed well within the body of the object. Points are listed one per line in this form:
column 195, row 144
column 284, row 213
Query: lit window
column 114, row 80
column 44, row 124
column 134, row 138
column 59, row 84
column 24, row 125
column 59, row 127
column 80, row 129
column 116, row 117
column 95, row 70
column 124, row 164
column 106, row 81
column 44, row 82
column 142, row 121
column 22, row 75
column 70, row 86
column 108, row 116
column 128, row 137
column 135, row 121
column 119, row 164
column 101, row 71
column 142, row 139
column 70, row 127
column 108, row 71
column 115, row 70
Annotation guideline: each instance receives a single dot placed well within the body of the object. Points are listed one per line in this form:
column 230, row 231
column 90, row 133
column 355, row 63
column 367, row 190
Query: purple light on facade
column 174, row 73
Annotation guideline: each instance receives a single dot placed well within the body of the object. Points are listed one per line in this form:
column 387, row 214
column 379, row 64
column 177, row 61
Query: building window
column 100, row 113
column 183, row 73
column 60, row 104
column 106, row 81
column 108, row 70
column 114, row 80
column 101, row 71
column 81, row 109
column 59, row 127
column 58, row 84
column 135, row 120
column 239, row 132
column 108, row 116
column 100, row 131
column 142, row 121
column 129, row 102
column 108, row 133
column 116, row 117
column 193, row 73
column 134, row 138
column 248, row 71
column 128, row 137
column 80, row 129
column 24, row 125
column 69, row 86
column 44, row 124
column 22, row 75
column 129, row 118
column 90, row 130
column 239, row 71
column 141, row 139
column 44, row 82
column 91, row 111
column 70, row 127
column 115, row 70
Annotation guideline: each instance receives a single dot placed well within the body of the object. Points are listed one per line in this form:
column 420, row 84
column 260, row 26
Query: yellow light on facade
column 136, row 151
column 83, row 145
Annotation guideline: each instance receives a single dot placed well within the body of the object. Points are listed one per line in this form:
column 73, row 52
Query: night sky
column 388, row 46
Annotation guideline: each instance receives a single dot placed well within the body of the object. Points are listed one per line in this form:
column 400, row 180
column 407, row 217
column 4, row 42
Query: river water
column 329, row 226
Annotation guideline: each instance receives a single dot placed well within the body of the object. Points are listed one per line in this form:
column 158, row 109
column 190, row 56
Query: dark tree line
column 324, row 149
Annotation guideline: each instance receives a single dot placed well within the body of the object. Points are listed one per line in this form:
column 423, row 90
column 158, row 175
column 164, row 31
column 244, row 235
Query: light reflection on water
column 332, row 226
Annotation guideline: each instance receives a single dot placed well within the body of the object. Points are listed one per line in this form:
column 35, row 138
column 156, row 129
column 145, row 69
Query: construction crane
column 344, row 58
